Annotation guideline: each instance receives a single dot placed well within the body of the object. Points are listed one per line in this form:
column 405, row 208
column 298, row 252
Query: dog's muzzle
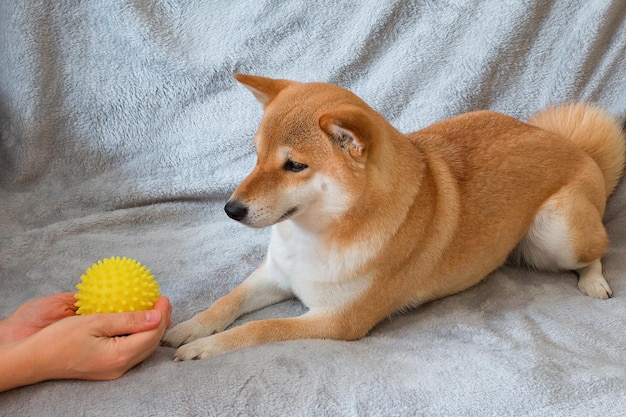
column 236, row 210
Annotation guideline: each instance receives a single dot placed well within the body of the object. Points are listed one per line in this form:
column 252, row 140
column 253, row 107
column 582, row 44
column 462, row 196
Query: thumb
column 119, row 324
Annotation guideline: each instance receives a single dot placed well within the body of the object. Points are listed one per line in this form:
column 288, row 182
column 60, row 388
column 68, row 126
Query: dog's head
column 313, row 147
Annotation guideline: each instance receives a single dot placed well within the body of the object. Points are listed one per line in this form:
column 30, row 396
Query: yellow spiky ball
column 116, row 285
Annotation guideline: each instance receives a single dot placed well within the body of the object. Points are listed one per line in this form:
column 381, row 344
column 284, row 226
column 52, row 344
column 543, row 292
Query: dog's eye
column 294, row 166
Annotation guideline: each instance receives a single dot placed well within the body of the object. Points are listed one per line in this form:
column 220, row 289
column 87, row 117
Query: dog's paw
column 198, row 349
column 595, row 286
column 185, row 332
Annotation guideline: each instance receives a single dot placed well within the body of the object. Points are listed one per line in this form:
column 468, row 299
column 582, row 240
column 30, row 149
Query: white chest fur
column 320, row 276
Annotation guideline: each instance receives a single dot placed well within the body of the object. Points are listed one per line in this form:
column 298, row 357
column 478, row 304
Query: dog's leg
column 592, row 282
column 312, row 325
column 350, row 321
column 567, row 234
column 589, row 241
column 256, row 292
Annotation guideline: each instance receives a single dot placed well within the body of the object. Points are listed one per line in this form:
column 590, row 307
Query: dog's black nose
column 236, row 210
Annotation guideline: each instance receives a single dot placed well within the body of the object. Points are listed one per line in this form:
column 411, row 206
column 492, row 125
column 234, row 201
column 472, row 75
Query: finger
column 63, row 296
column 67, row 293
column 137, row 347
column 163, row 304
column 68, row 299
column 118, row 324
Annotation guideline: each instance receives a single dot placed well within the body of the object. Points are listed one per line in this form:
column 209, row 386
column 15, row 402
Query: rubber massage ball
column 116, row 285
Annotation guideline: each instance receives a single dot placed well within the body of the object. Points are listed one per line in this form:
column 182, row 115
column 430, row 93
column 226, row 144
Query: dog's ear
column 350, row 129
column 264, row 89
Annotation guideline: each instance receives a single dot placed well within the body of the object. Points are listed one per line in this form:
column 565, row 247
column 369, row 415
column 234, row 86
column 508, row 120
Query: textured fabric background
column 122, row 132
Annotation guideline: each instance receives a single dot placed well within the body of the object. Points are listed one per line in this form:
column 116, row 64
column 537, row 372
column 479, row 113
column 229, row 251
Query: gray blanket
column 122, row 132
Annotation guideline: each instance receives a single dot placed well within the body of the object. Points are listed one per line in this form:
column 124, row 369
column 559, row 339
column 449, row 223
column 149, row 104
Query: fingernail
column 153, row 315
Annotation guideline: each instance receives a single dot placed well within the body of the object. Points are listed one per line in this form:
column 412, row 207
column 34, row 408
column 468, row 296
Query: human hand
column 93, row 347
column 101, row 346
column 35, row 315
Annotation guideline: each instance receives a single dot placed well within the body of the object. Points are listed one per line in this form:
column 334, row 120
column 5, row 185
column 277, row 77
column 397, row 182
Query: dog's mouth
column 288, row 214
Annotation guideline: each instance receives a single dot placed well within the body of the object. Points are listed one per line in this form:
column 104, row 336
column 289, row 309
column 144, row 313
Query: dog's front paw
column 185, row 332
column 198, row 349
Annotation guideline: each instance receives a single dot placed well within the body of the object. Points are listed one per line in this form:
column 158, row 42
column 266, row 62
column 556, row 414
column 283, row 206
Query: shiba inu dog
column 367, row 221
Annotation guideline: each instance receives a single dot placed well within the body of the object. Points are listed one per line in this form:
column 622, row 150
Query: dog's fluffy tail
column 594, row 130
